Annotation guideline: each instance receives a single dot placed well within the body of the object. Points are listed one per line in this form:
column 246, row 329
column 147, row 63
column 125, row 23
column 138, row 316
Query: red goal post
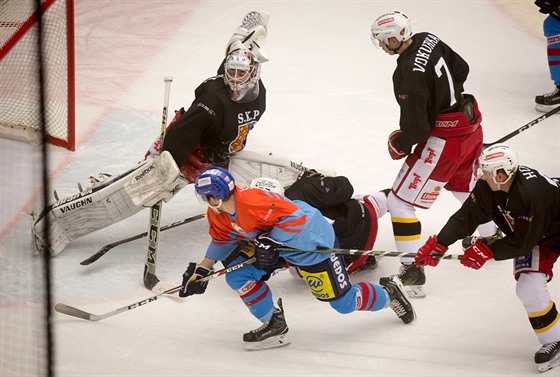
column 20, row 84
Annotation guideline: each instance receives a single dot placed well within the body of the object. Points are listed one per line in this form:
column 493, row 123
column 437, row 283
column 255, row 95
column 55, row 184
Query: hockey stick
column 75, row 312
column 108, row 247
column 370, row 252
column 150, row 278
column 523, row 128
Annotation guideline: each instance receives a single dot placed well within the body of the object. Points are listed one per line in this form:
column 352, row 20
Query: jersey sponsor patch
column 328, row 279
column 414, row 184
column 319, row 284
column 429, row 197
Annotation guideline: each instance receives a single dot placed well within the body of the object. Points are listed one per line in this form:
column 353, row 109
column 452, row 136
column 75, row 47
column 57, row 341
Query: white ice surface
column 330, row 104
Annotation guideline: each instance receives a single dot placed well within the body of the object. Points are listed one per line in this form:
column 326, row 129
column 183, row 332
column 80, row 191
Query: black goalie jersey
column 215, row 123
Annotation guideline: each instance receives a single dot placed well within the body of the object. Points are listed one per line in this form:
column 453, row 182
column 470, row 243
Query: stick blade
column 94, row 257
column 75, row 312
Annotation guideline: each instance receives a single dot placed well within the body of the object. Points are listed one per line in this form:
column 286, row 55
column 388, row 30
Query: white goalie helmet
column 499, row 157
column 242, row 74
column 391, row 25
column 268, row 184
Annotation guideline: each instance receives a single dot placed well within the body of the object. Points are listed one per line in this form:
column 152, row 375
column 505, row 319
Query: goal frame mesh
column 29, row 130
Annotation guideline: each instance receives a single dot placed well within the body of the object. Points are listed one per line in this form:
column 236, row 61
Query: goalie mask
column 215, row 182
column 391, row 25
column 242, row 74
column 499, row 157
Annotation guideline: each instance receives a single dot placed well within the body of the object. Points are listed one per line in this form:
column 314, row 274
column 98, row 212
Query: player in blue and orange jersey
column 269, row 220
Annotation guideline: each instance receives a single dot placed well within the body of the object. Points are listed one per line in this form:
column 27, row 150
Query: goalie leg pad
column 107, row 203
column 159, row 179
column 57, row 236
column 247, row 165
column 92, row 209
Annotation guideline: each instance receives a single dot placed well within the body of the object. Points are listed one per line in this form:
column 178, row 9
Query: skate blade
column 545, row 108
column 272, row 342
column 414, row 291
column 555, row 362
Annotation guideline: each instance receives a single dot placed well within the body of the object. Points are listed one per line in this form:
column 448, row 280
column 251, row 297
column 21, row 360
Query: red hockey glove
column 394, row 146
column 430, row 253
column 476, row 255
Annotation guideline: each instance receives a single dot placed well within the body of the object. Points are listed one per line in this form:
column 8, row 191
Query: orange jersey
column 293, row 224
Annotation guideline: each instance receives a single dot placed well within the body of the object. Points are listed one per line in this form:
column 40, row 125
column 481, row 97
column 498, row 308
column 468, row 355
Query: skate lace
column 398, row 308
column 263, row 327
column 549, row 348
column 403, row 270
column 552, row 94
column 407, row 274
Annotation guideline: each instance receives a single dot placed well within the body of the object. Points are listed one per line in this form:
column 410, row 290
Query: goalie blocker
column 117, row 198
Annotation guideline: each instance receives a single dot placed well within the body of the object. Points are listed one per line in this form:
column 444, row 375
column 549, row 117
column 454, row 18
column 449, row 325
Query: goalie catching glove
column 190, row 285
column 251, row 34
column 266, row 253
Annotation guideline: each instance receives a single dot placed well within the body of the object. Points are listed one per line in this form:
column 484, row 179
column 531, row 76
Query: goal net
column 20, row 90
column 26, row 332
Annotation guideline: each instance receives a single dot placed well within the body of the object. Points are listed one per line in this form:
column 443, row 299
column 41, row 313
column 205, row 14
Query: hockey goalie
column 212, row 131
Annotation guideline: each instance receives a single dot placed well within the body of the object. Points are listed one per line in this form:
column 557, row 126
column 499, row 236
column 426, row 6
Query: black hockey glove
column 545, row 6
column 190, row 286
column 266, row 252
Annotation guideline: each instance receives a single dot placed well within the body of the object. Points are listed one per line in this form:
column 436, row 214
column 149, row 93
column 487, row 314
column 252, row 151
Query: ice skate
column 399, row 303
column 468, row 241
column 548, row 356
column 548, row 101
column 270, row 335
column 413, row 279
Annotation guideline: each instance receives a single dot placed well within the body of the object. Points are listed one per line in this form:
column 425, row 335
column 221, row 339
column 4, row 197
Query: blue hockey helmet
column 216, row 182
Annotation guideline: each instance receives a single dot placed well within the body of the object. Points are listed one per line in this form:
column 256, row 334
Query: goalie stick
column 108, row 247
column 75, row 312
column 524, row 127
column 150, row 278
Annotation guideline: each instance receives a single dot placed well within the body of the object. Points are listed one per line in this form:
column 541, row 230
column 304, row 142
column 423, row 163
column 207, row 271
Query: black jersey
column 333, row 197
column 529, row 215
column 215, row 123
column 428, row 81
